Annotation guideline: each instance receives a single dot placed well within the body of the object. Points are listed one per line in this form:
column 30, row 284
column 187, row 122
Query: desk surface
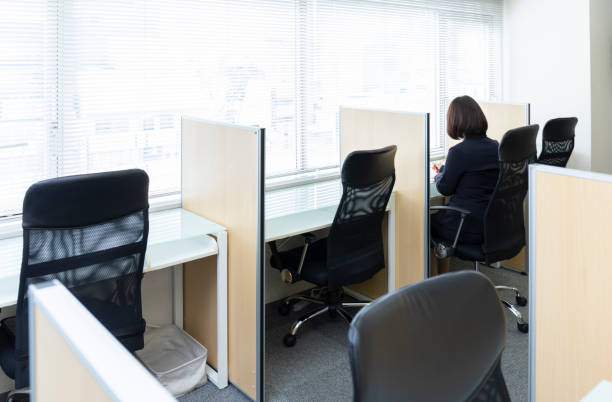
column 602, row 392
column 175, row 236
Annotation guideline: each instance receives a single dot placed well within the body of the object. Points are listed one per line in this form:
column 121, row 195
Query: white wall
column 601, row 85
column 547, row 64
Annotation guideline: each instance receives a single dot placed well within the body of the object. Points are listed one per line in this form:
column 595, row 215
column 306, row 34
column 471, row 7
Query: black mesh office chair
column 558, row 141
column 353, row 251
column 504, row 222
column 90, row 233
column 419, row 343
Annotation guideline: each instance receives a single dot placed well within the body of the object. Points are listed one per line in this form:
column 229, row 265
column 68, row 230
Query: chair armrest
column 308, row 239
column 461, row 211
column 287, row 273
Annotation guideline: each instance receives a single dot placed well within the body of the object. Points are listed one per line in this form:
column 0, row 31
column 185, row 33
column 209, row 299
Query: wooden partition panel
column 501, row 118
column 369, row 129
column 220, row 183
column 570, row 282
column 74, row 358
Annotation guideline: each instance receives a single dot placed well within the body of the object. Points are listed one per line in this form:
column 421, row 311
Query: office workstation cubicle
column 292, row 210
column 570, row 276
column 222, row 180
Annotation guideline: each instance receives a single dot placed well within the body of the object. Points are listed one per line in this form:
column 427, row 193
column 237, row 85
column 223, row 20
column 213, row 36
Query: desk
column 309, row 207
column 176, row 236
column 601, row 393
column 433, row 190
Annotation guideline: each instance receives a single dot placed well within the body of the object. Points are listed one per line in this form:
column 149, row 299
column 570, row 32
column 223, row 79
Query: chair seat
column 470, row 252
column 315, row 263
column 7, row 346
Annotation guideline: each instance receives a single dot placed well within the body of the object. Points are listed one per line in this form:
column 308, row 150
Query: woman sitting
column 469, row 175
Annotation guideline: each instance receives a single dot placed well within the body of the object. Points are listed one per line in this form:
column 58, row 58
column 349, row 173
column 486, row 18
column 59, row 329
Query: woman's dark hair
column 465, row 119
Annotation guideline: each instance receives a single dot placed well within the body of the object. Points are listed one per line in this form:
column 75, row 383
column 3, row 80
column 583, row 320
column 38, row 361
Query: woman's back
column 469, row 175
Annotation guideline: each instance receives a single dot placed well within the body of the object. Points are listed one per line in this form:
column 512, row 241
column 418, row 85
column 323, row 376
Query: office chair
column 558, row 141
column 353, row 251
column 440, row 339
column 90, row 233
column 504, row 228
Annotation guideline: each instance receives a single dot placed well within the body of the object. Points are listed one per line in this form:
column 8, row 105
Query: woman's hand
column 436, row 166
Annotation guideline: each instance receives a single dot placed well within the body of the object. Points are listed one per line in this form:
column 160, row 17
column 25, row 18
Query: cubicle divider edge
column 578, row 325
column 427, row 249
column 261, row 280
column 531, row 203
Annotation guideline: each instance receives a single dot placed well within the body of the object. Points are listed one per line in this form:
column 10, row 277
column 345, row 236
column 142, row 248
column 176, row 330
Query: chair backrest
column 355, row 242
column 440, row 339
column 558, row 141
column 504, row 226
column 90, row 233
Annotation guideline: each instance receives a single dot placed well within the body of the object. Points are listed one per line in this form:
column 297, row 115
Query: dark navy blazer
column 469, row 175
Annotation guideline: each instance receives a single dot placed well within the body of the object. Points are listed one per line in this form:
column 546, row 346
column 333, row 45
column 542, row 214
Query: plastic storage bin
column 175, row 358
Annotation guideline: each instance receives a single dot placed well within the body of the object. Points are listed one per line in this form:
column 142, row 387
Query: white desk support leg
column 391, row 244
column 219, row 377
column 177, row 295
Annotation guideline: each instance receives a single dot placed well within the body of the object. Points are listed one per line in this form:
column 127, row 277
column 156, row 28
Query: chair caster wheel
column 521, row 301
column 283, row 308
column 289, row 340
column 524, row 327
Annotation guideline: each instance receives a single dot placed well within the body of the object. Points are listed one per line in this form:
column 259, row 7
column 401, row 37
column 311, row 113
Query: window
column 90, row 85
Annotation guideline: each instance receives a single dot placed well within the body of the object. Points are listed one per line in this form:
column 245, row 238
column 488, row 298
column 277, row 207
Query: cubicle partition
column 501, row 118
column 222, row 180
column 369, row 129
column 569, row 294
column 73, row 357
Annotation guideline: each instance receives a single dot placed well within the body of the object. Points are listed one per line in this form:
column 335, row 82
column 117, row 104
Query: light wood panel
column 74, row 381
column 369, row 129
column 572, row 288
column 74, row 357
column 501, row 118
column 200, row 304
column 220, row 183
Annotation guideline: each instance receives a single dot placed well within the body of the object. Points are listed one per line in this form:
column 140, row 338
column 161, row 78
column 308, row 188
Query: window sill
column 303, row 178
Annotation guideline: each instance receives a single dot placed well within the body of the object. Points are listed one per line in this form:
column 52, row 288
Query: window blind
column 89, row 85
column 28, row 89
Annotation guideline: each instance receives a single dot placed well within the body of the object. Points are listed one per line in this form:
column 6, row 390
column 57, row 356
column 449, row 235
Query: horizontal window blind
column 28, row 94
column 88, row 86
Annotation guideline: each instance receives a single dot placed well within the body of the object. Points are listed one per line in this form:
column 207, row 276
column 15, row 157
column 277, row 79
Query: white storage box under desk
column 176, row 359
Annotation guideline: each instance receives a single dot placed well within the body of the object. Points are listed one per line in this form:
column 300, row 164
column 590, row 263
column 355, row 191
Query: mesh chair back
column 504, row 227
column 558, row 141
column 90, row 233
column 355, row 242
column 436, row 340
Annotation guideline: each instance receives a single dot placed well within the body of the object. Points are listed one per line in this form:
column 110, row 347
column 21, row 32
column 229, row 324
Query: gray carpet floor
column 210, row 393
column 317, row 367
